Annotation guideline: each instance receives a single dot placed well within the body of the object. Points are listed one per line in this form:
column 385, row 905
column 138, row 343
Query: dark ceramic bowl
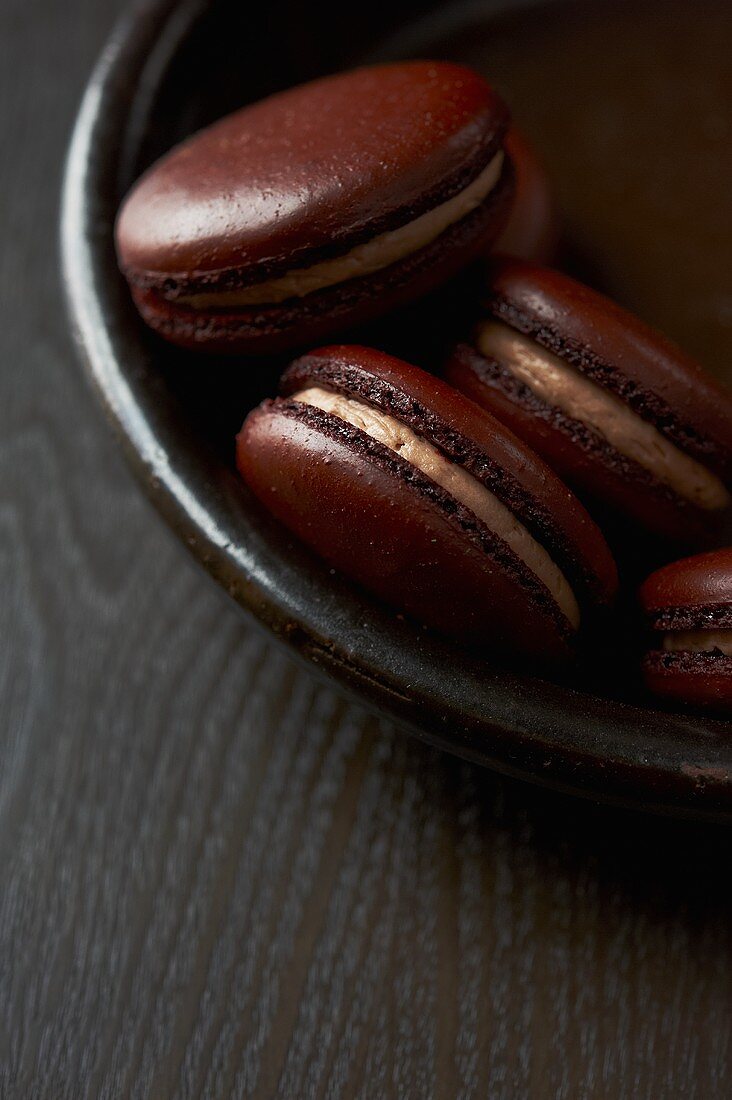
column 172, row 66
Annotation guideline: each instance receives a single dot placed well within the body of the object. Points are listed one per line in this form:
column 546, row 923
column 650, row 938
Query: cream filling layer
column 561, row 385
column 364, row 259
column 461, row 485
column 699, row 641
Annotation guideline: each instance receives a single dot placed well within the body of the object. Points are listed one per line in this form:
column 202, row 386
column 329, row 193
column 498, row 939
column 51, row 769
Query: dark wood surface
column 221, row 879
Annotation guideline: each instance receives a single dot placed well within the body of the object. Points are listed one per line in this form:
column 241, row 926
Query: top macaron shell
column 307, row 174
column 626, row 357
column 318, row 209
column 686, row 587
column 382, row 529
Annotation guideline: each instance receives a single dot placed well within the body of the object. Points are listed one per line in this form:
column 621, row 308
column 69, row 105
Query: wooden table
column 221, row 879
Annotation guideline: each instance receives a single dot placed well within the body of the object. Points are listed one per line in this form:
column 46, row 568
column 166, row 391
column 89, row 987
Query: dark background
column 220, row 879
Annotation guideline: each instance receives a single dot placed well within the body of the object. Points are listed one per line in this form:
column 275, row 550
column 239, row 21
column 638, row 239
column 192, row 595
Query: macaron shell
column 533, row 228
column 619, row 351
column 380, row 531
column 599, row 474
column 322, row 315
column 701, row 581
column 309, row 172
column 559, row 520
column 693, row 678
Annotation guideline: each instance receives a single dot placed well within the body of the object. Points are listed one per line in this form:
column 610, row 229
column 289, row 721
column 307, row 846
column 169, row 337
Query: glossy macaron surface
column 278, row 214
column 377, row 517
column 688, row 606
column 644, row 395
column 691, row 584
column 308, row 171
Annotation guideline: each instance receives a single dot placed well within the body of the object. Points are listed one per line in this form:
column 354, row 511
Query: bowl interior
column 599, row 106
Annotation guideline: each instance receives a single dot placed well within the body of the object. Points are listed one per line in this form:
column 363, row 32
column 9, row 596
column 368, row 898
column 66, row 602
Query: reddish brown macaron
column 622, row 414
column 409, row 489
column 319, row 208
column 533, row 229
column 688, row 605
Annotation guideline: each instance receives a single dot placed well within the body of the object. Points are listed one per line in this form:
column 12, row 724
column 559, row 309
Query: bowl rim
column 528, row 728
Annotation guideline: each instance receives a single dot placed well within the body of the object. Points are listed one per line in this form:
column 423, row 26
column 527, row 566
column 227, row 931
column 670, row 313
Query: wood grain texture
column 221, row 879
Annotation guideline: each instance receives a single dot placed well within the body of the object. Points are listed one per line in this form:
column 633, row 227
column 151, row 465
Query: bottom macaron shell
column 298, row 322
column 359, row 512
column 598, row 473
column 699, row 679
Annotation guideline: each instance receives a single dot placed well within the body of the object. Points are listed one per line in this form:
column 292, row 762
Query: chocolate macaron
column 621, row 413
column 533, row 229
column 409, row 489
column 689, row 606
column 319, row 208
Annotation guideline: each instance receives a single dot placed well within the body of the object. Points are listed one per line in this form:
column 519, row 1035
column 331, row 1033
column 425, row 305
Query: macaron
column 688, row 605
column 319, row 208
column 533, row 229
column 633, row 424
column 407, row 488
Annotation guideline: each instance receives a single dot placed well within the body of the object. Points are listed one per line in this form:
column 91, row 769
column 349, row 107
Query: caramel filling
column 699, row 641
column 559, row 384
column 383, row 251
column 456, row 481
